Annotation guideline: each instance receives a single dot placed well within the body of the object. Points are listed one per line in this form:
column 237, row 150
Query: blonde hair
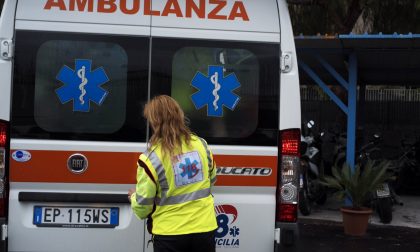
column 168, row 124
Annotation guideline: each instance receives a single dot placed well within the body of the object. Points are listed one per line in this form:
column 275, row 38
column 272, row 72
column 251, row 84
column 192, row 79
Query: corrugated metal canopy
column 382, row 59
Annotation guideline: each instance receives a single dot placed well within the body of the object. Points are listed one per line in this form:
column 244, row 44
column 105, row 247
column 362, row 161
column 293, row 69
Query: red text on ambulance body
column 210, row 9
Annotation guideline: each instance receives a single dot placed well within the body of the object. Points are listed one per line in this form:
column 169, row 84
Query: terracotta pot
column 355, row 222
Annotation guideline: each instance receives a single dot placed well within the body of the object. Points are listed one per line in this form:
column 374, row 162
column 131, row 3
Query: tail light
column 288, row 175
column 4, row 145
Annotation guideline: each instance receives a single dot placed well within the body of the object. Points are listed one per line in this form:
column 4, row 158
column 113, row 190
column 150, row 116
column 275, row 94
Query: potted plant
column 358, row 187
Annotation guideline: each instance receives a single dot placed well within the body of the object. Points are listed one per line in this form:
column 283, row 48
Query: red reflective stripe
column 246, row 161
column 121, row 167
column 149, row 222
column 51, row 166
column 147, row 170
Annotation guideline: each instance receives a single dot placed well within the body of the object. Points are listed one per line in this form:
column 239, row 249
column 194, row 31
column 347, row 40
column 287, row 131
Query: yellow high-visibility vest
column 176, row 196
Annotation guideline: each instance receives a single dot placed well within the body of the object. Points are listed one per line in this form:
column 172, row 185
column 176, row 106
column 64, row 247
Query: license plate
column 76, row 217
column 383, row 191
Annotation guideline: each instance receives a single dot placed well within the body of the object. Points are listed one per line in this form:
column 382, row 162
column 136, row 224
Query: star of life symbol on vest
column 215, row 91
column 82, row 85
column 188, row 169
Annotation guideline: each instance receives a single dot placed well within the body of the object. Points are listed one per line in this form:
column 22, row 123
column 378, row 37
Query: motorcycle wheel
column 384, row 209
column 305, row 207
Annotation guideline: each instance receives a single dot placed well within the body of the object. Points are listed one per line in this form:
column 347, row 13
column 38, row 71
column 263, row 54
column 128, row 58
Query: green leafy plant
column 358, row 186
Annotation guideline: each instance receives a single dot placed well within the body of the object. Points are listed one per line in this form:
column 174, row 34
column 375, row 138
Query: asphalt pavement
column 323, row 230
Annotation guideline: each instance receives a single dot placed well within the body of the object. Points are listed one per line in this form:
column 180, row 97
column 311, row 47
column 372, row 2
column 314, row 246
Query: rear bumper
column 289, row 233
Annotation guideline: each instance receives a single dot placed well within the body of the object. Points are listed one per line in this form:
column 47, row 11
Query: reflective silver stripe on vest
column 210, row 161
column 160, row 170
column 203, row 193
column 144, row 201
column 146, row 153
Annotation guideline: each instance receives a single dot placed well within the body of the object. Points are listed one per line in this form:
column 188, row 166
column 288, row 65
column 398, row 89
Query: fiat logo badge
column 77, row 163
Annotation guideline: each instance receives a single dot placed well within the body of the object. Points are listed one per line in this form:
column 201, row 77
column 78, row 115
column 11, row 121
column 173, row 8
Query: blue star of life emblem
column 234, row 231
column 215, row 91
column 82, row 85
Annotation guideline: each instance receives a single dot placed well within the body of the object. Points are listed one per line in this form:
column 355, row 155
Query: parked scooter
column 310, row 190
column 383, row 199
column 331, row 142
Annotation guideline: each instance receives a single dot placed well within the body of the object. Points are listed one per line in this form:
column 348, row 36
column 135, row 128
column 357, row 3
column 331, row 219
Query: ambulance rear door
column 220, row 61
column 80, row 82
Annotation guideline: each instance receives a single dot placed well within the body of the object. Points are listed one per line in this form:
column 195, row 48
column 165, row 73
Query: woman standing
column 174, row 180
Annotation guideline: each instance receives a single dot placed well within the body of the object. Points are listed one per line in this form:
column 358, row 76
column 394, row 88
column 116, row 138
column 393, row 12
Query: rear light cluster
column 288, row 212
column 4, row 143
column 288, row 182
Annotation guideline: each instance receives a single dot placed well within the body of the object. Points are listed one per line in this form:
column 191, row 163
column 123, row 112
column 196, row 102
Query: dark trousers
column 199, row 242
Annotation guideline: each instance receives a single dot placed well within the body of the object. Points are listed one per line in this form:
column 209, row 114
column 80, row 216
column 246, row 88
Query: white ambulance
column 74, row 76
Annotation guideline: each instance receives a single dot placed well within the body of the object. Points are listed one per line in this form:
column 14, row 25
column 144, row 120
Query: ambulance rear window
column 228, row 90
column 79, row 86
column 97, row 109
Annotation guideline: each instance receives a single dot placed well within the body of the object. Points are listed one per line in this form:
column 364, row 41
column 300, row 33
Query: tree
column 388, row 16
column 344, row 16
